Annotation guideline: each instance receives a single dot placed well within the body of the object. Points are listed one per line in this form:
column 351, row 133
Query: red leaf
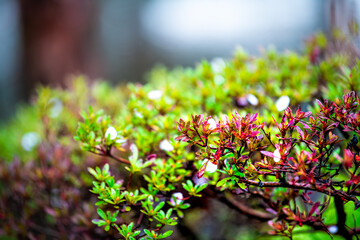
column 305, row 125
column 348, row 158
column 314, row 207
column 268, row 154
column 253, row 118
column 202, row 170
column 320, row 104
column 218, row 154
column 301, row 133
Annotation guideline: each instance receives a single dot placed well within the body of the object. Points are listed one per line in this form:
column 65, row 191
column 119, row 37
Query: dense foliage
column 292, row 169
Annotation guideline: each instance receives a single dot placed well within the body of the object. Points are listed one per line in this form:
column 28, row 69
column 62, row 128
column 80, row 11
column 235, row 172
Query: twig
column 231, row 202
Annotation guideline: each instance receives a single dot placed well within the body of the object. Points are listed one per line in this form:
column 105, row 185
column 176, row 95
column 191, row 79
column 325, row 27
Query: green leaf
column 101, row 214
column 166, row 234
column 99, row 222
column 148, row 232
column 242, row 185
column 201, row 187
column 135, row 154
column 106, row 169
column 92, row 172
column 222, row 182
column 158, row 207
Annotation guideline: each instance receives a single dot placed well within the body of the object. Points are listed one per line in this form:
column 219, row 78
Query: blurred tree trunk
column 58, row 40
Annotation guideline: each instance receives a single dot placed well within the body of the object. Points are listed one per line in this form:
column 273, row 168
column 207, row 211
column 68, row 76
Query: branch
column 107, row 153
column 231, row 202
column 341, row 218
column 329, row 191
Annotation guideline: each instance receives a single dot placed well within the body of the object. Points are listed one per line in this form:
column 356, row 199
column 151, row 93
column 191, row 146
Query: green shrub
column 154, row 181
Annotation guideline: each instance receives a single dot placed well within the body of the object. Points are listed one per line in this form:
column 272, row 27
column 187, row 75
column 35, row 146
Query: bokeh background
column 44, row 41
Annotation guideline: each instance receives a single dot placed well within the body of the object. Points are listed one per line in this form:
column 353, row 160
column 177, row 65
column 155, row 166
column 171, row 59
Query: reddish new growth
column 284, row 169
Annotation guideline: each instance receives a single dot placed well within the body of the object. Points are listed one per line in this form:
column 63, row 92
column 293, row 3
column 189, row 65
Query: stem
column 119, row 159
column 331, row 192
column 129, row 181
column 232, row 203
column 108, row 153
column 200, row 136
column 341, row 218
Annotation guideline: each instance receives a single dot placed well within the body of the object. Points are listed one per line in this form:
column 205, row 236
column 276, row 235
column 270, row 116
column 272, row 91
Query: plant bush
column 186, row 140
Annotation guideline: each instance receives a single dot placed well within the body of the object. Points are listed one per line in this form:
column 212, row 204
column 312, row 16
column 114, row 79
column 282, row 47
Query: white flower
column 224, row 119
column 120, row 141
column 137, row 113
column 199, row 181
column 111, row 131
column 277, row 155
column 282, row 103
column 210, row 167
column 333, row 229
column 154, row 94
column 212, row 124
column 56, row 107
column 30, row 140
column 176, row 199
column 166, row 146
column 218, row 80
column 218, row 65
column 252, row 100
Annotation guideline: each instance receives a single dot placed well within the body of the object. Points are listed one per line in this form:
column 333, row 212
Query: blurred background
column 44, row 41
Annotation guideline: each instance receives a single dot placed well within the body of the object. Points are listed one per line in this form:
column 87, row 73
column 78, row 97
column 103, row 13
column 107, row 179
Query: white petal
column 166, row 146
column 199, row 181
column 210, row 167
column 56, row 107
column 282, row 103
column 218, row 80
column 138, row 114
column 120, row 141
column 154, row 94
column 333, row 229
column 252, row 100
column 218, row 65
column 212, row 124
column 111, row 131
column 30, row 140
column 178, row 198
column 277, row 155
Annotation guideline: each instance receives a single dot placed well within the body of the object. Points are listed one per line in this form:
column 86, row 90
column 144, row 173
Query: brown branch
column 341, row 218
column 232, row 203
column 107, row 153
column 332, row 192
column 120, row 159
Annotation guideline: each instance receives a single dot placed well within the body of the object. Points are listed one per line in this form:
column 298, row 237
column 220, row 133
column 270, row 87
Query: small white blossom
column 176, row 199
column 333, row 229
column 30, row 140
column 282, row 103
column 111, row 131
column 212, row 124
column 199, row 181
column 137, row 113
column 56, row 107
column 210, row 167
column 218, row 65
column 154, row 94
column 277, row 155
column 252, row 100
column 224, row 119
column 133, row 147
column 166, row 146
column 120, row 141
column 219, row 80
